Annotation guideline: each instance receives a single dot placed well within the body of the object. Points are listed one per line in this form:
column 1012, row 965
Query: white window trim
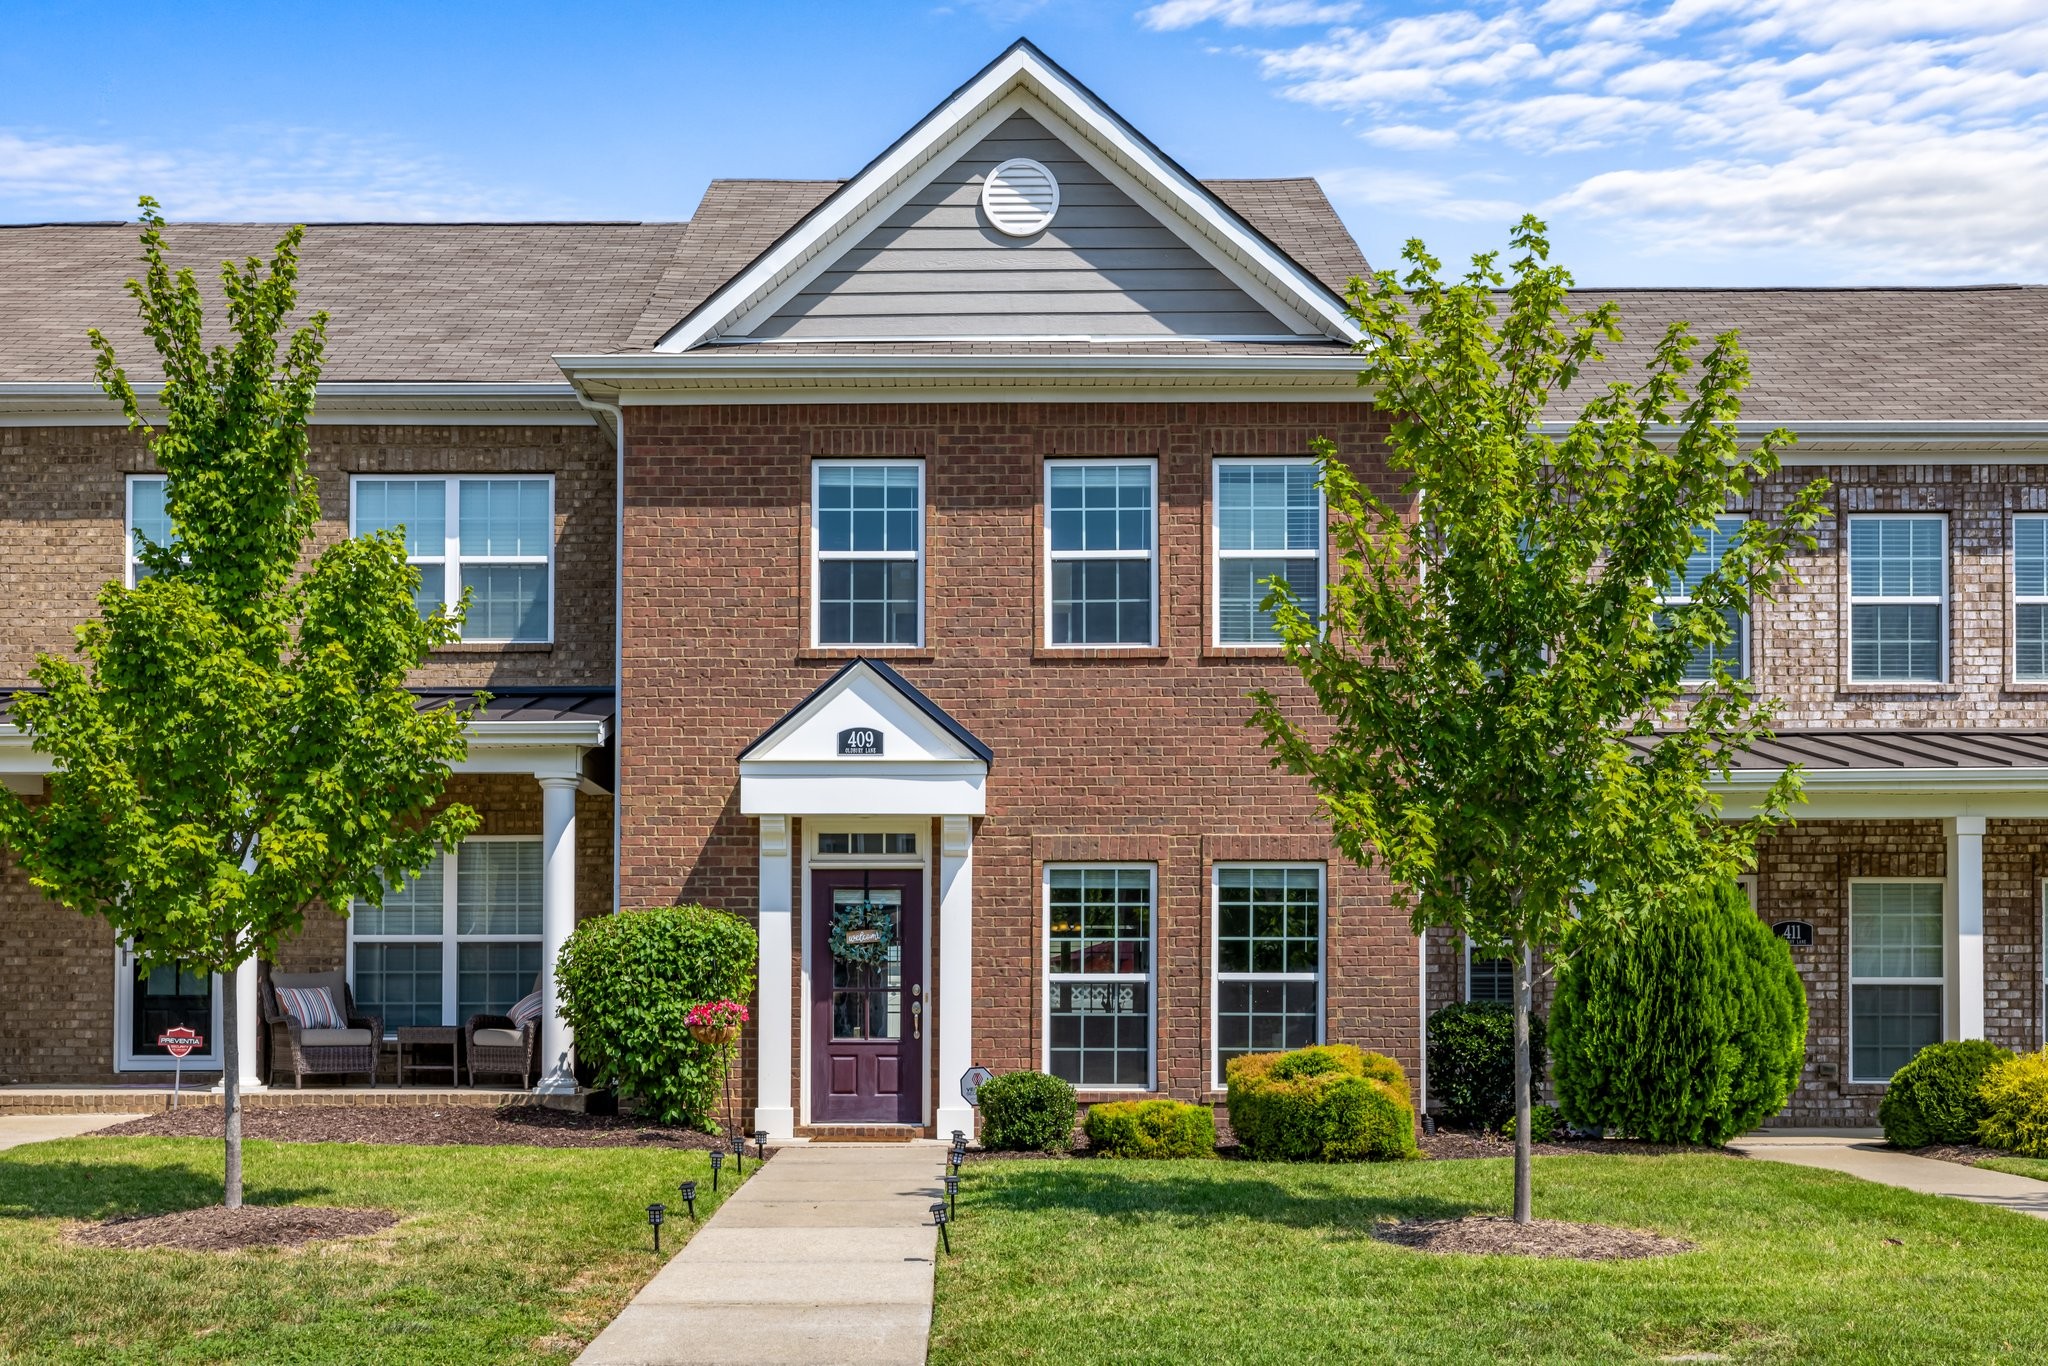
column 819, row 555
column 1849, row 942
column 1856, row 600
column 451, row 558
column 1217, row 554
column 450, row 939
column 1150, row 977
column 1217, row 976
column 1747, row 882
column 126, row 1059
column 1465, row 995
column 1047, row 557
column 2020, row 599
column 1743, row 635
column 128, row 561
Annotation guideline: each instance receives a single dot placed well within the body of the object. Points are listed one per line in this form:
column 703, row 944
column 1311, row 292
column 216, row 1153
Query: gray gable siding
column 1105, row 267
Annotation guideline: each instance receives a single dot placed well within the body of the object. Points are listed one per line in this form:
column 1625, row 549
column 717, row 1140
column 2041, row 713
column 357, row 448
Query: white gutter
column 1886, row 443
column 1884, row 780
column 18, row 755
column 611, row 415
column 339, row 402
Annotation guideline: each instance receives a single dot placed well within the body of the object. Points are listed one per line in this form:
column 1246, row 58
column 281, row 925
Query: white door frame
column 125, row 1057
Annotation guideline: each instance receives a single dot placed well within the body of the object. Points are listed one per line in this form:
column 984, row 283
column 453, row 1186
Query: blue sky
column 1670, row 142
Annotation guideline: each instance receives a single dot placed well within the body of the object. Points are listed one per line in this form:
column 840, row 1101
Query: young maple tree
column 1506, row 725
column 234, row 741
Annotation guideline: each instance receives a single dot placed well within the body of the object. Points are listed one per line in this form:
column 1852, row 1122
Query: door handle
column 917, row 1019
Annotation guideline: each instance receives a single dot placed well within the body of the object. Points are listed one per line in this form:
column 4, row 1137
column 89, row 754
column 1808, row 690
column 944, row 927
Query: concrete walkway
column 825, row 1255
column 1872, row 1161
column 16, row 1130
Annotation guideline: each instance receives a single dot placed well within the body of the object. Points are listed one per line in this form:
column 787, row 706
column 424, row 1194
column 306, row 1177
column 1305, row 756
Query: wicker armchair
column 318, row 1052
column 497, row 1046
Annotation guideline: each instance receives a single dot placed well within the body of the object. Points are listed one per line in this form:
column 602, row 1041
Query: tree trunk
column 1523, row 1198
column 231, row 1084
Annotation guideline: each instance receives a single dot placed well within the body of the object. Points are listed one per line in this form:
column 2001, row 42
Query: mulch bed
column 1962, row 1154
column 1460, row 1143
column 1492, row 1235
column 219, row 1229
column 534, row 1126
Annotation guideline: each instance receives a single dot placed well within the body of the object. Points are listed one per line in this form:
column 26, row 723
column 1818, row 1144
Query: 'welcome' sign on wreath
column 864, row 932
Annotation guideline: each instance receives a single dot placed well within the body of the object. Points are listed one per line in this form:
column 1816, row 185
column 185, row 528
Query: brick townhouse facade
column 876, row 559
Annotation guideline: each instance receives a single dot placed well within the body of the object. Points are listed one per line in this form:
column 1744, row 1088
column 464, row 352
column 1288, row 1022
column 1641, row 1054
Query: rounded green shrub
column 1934, row 1097
column 1546, row 1122
column 628, row 980
column 1472, row 1062
column 2014, row 1094
column 1027, row 1112
column 1151, row 1128
column 1692, row 1030
column 1331, row 1103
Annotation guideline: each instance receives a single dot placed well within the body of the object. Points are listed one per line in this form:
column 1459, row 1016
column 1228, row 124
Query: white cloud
column 1413, row 195
column 1903, row 136
column 1177, row 14
column 272, row 175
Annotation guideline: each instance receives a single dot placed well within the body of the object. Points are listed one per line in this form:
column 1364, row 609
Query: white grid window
column 148, row 517
column 404, row 959
column 1269, row 525
column 1489, row 977
column 868, row 548
column 1714, row 542
column 1099, row 976
column 1100, row 535
column 2030, row 598
column 1896, row 1002
column 491, row 535
column 1898, row 593
column 1269, row 960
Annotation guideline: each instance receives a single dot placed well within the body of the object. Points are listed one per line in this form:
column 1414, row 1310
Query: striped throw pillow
column 312, row 1007
column 527, row 1011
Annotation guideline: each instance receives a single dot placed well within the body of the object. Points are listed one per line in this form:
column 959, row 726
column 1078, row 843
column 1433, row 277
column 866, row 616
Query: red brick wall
column 1097, row 755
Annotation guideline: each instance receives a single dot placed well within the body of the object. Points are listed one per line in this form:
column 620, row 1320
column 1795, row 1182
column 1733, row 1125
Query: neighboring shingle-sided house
column 878, row 559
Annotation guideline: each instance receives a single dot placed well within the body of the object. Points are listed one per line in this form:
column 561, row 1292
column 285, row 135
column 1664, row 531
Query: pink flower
column 716, row 1015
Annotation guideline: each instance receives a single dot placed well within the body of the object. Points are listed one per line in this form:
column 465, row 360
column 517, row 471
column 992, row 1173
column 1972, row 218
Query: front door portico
column 867, row 1021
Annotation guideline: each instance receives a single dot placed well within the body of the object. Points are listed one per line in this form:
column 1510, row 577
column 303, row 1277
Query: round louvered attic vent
column 1020, row 197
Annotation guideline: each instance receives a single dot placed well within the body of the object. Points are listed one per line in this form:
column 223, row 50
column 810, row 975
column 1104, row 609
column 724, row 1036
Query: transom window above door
column 1100, row 545
column 868, row 552
column 492, row 535
column 866, row 842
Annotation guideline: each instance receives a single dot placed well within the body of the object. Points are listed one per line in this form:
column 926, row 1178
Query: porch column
column 248, row 1024
column 955, row 1017
column 1966, row 903
column 772, row 1109
column 557, row 921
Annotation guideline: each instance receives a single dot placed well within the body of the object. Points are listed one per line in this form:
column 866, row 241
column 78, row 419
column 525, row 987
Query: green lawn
column 2035, row 1167
column 1253, row 1262
column 502, row 1255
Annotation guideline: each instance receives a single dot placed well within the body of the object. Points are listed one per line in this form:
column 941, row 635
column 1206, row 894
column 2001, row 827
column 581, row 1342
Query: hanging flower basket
column 864, row 933
column 716, row 1023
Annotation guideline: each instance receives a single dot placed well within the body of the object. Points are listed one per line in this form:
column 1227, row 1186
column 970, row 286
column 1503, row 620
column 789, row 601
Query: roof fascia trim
column 857, row 199
column 1903, row 442
column 337, row 403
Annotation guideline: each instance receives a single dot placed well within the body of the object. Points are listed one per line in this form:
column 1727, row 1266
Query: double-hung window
column 1714, row 542
column 1101, row 535
column 2030, row 598
column 1099, row 975
column 1898, row 593
column 1269, row 525
column 1489, row 977
column 1269, row 960
column 868, row 538
column 1895, row 974
column 491, row 535
column 461, row 939
column 148, row 517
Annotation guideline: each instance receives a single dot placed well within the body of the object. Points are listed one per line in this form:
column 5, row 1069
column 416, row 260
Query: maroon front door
column 867, row 1022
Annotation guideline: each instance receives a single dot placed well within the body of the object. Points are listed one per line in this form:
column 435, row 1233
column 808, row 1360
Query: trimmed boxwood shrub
column 2014, row 1094
column 1151, row 1128
column 1545, row 1123
column 1472, row 1062
column 1692, row 1030
column 628, row 980
column 1331, row 1103
column 1934, row 1097
column 1027, row 1112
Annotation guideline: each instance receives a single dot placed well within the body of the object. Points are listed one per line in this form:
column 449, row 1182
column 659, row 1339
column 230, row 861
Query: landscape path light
column 689, row 1192
column 739, row 1153
column 959, row 1138
column 761, row 1145
column 654, row 1217
column 953, row 1192
column 717, row 1161
column 939, row 1218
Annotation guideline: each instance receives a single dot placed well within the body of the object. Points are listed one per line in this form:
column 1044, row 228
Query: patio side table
column 411, row 1038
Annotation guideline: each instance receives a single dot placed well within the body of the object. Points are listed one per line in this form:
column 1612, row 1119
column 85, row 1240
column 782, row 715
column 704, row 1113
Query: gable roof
column 410, row 302
column 1022, row 78
column 929, row 709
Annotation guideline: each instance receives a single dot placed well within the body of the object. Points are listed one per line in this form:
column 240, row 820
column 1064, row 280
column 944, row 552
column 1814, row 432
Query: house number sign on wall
column 1797, row 933
column 860, row 740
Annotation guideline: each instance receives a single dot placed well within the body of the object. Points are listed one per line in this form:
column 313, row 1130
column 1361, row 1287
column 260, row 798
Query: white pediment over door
column 866, row 742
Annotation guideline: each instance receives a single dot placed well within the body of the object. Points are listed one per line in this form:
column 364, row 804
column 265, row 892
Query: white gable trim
column 1020, row 79
column 923, row 769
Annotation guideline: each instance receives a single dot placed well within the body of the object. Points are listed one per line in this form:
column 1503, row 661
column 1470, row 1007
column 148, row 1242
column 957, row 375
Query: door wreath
column 863, row 932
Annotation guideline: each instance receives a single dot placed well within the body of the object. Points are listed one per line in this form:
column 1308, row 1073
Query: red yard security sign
column 178, row 1041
